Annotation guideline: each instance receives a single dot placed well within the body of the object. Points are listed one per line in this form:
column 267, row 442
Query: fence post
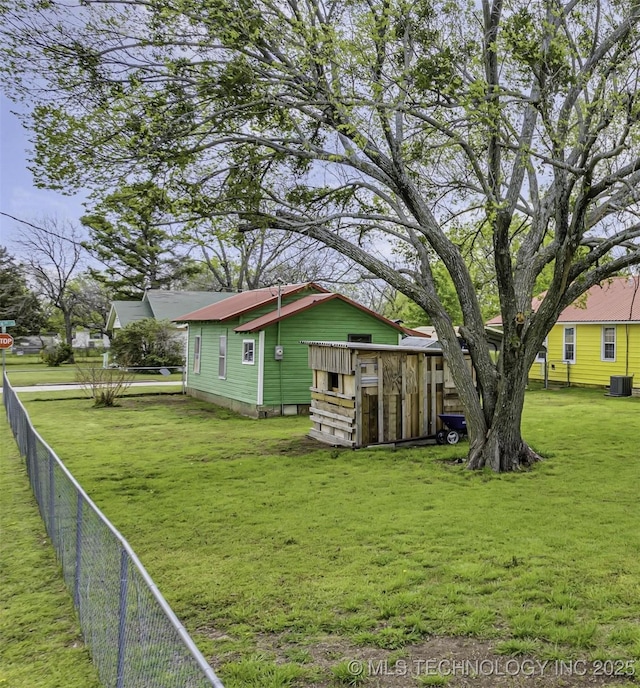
column 52, row 503
column 76, row 580
column 122, row 616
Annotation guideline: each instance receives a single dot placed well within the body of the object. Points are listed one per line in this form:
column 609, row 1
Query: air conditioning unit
column 620, row 386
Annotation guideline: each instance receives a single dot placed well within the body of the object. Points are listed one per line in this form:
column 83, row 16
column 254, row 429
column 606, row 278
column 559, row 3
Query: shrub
column 55, row 355
column 147, row 343
column 104, row 385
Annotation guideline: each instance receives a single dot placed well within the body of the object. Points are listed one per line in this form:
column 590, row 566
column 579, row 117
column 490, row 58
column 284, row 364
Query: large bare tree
column 351, row 121
column 52, row 256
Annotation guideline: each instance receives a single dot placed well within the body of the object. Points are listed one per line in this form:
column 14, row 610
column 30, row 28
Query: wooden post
column 359, row 409
column 433, row 405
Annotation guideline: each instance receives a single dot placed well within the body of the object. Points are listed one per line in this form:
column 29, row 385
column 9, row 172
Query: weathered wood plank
column 345, row 426
column 330, row 439
column 349, row 415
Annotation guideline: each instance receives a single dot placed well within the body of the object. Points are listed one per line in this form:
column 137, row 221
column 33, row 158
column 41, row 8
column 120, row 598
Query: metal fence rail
column 135, row 639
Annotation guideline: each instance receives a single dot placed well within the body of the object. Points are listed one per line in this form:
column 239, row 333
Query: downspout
column 260, row 399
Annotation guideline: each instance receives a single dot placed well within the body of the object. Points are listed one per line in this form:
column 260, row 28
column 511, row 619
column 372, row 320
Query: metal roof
column 246, row 301
column 614, row 300
column 360, row 346
column 304, row 304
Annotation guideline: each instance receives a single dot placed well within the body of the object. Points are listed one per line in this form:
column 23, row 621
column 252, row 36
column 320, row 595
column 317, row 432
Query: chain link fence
column 135, row 639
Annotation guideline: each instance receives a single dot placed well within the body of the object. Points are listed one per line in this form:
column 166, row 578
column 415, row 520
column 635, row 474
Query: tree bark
column 502, row 448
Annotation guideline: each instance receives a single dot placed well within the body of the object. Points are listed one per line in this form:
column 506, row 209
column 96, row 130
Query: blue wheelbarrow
column 456, row 427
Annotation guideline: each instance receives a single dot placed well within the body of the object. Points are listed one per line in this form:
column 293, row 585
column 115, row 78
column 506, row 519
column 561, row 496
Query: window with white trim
column 197, row 350
column 222, row 357
column 608, row 343
column 248, row 351
column 569, row 345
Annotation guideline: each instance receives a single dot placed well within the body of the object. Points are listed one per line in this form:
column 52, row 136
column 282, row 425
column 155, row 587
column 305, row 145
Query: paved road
column 62, row 387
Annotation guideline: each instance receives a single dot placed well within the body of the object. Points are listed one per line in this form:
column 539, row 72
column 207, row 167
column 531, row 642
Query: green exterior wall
column 589, row 368
column 330, row 321
column 285, row 382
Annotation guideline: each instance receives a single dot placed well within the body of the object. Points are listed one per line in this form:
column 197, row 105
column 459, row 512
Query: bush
column 103, row 385
column 148, row 343
column 55, row 355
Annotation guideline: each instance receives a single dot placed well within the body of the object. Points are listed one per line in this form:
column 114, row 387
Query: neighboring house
column 160, row 304
column 90, row 339
column 594, row 339
column 246, row 353
column 33, row 344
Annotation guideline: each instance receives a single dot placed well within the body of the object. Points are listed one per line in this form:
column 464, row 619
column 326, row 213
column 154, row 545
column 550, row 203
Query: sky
column 18, row 195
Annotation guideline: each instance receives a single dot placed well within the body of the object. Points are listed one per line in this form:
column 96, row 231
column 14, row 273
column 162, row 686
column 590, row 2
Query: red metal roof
column 615, row 300
column 304, row 304
column 246, row 301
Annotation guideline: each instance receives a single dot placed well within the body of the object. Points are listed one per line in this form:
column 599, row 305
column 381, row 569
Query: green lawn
column 40, row 642
column 40, row 374
column 270, row 546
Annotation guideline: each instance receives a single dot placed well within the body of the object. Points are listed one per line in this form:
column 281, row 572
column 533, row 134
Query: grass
column 40, row 374
column 40, row 644
column 265, row 543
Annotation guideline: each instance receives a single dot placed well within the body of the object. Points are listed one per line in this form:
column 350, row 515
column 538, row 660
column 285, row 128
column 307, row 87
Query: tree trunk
column 68, row 332
column 502, row 448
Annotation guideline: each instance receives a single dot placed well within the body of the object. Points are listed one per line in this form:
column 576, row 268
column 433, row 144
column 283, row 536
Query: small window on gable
column 608, row 343
column 197, row 349
column 359, row 338
column 248, row 351
column 333, row 382
column 569, row 353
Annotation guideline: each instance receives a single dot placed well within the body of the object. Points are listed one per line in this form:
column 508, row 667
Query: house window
column 197, row 348
column 222, row 358
column 569, row 355
column 248, row 351
column 359, row 338
column 608, row 343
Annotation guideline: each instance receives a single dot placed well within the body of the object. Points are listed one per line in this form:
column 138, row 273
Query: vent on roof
column 620, row 386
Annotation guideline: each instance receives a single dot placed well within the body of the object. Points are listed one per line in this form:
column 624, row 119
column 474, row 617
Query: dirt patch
column 301, row 446
column 454, row 662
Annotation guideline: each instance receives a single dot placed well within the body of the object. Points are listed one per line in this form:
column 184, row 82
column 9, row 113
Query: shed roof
column 614, row 300
column 361, row 346
column 245, row 302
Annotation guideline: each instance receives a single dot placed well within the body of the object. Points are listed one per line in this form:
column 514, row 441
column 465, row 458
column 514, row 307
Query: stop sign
column 6, row 341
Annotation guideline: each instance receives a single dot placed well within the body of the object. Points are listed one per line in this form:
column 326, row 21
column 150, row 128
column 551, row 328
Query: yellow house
column 595, row 339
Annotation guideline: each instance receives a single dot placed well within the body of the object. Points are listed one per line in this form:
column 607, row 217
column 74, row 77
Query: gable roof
column 614, row 300
column 126, row 312
column 246, row 301
column 305, row 303
column 168, row 305
column 161, row 304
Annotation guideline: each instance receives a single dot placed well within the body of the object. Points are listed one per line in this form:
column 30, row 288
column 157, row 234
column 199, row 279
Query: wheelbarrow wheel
column 441, row 437
column 452, row 437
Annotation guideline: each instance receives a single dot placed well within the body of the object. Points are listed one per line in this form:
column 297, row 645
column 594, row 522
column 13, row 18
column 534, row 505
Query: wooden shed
column 366, row 394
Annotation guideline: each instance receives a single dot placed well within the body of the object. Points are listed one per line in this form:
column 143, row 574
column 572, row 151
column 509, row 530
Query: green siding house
column 245, row 352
